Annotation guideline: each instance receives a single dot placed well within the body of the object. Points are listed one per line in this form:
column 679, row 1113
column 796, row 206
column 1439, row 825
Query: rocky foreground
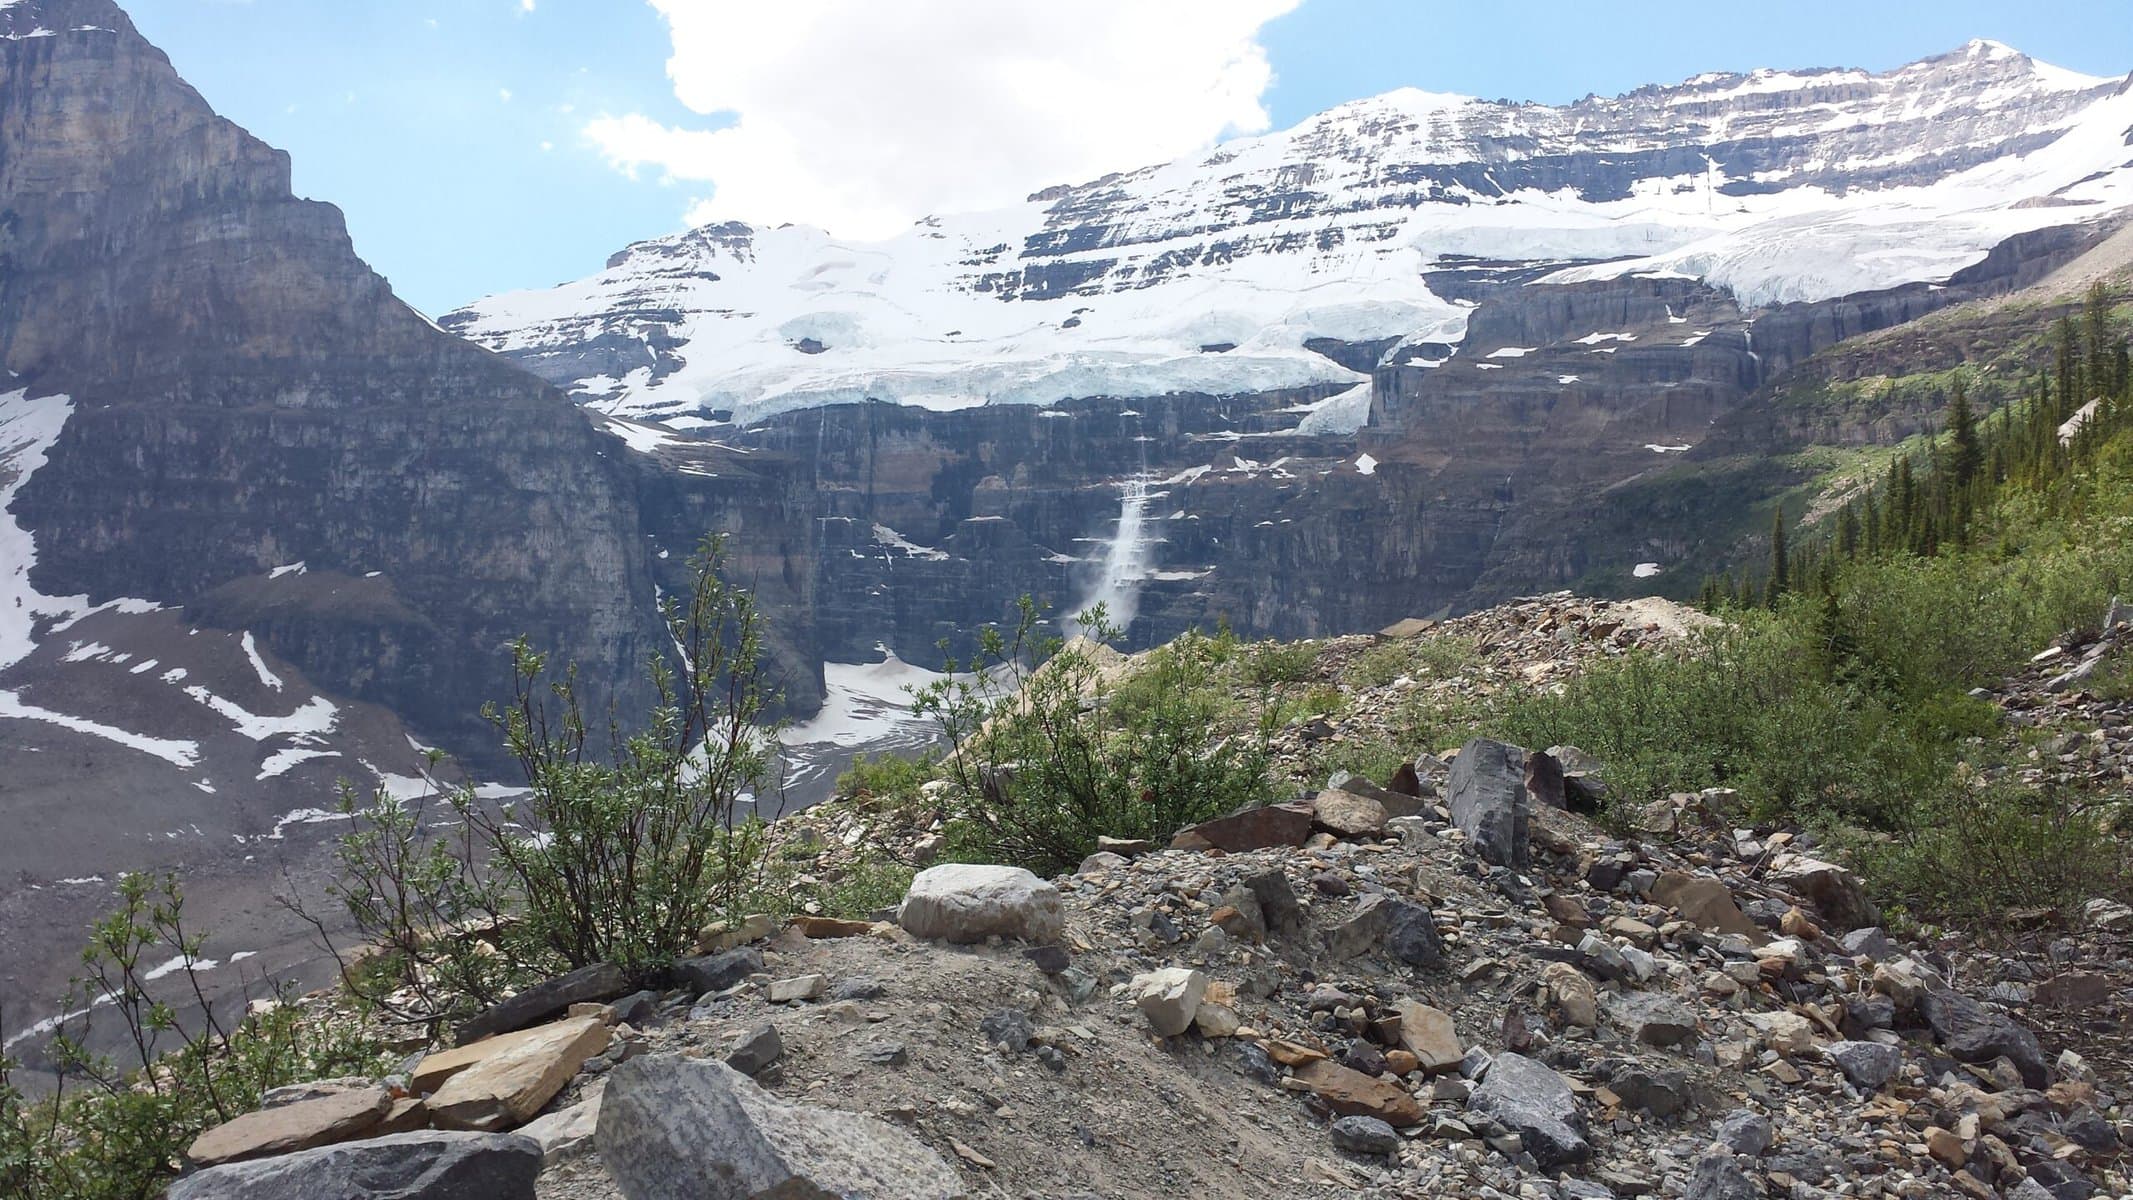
column 1452, row 987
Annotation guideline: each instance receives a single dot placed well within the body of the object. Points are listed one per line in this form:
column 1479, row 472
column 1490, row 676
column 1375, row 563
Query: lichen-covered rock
column 960, row 903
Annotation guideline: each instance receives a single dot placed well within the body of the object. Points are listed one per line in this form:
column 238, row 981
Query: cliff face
column 249, row 395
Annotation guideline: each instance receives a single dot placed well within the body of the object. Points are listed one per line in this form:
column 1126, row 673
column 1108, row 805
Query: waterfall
column 1128, row 557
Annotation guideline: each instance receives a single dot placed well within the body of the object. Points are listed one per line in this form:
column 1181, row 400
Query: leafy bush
column 618, row 856
column 1980, row 855
column 1272, row 664
column 1052, row 745
column 113, row 1126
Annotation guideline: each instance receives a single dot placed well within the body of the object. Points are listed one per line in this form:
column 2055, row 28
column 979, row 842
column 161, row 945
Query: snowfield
column 1211, row 274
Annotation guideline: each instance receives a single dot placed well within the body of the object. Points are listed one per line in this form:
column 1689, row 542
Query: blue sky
column 483, row 145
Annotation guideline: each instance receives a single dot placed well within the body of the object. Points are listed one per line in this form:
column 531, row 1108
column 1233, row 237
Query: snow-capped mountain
column 1219, row 273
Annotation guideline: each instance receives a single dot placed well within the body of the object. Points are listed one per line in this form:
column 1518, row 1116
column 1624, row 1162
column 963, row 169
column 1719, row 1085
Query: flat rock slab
column 595, row 984
column 505, row 1088
column 1252, row 829
column 406, row 1166
column 1705, row 902
column 1351, row 1093
column 965, row 904
column 674, row 1128
column 1429, row 1035
column 303, row 1125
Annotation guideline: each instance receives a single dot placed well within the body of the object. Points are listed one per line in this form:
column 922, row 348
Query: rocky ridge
column 1377, row 990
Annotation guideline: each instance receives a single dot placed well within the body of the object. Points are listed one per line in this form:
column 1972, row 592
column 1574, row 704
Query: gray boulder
column 1973, row 1033
column 1652, row 1018
column 1869, row 1065
column 959, row 903
column 717, row 972
column 1744, row 1131
column 1538, row 1103
column 1365, row 1135
column 431, row 1165
column 1487, row 796
column 1411, row 935
column 674, row 1128
column 1719, row 1177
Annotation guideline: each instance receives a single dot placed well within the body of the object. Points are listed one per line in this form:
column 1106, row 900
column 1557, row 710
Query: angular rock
column 566, row 1133
column 1836, row 893
column 505, row 1087
column 1719, row 1177
column 1661, row 1093
column 827, row 928
column 1396, row 803
column 1278, row 906
column 1411, row 935
column 1704, row 901
column 1972, row 1033
column 1361, row 930
column 1544, row 780
column 673, row 1128
column 321, row 1121
column 967, row 904
column 717, row 972
column 1429, row 1035
column 1870, row 942
column 1869, row 1065
column 595, row 984
column 1351, row 1093
column 1249, row 829
column 1744, row 1131
column 1365, row 1135
column 756, row 1049
column 1487, row 796
column 797, row 988
column 1652, row 1018
column 430, row 1165
column 1345, row 814
column 1539, row 1104
column 1169, row 998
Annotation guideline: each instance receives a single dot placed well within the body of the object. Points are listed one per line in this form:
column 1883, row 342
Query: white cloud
column 525, row 6
column 861, row 116
column 504, row 94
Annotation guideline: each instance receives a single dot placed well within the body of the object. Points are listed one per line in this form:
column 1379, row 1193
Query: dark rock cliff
column 249, row 395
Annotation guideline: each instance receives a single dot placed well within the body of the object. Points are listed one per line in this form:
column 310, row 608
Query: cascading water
column 1127, row 557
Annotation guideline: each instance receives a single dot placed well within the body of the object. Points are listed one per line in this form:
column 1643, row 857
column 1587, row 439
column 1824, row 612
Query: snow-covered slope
column 1214, row 273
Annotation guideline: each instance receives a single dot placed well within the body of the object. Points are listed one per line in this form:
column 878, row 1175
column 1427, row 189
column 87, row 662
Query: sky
column 480, row 146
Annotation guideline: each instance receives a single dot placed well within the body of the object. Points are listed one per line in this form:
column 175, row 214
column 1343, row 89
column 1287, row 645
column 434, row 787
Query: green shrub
column 1981, row 855
column 115, row 1125
column 618, row 854
column 1272, row 664
column 887, row 782
column 1050, row 748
